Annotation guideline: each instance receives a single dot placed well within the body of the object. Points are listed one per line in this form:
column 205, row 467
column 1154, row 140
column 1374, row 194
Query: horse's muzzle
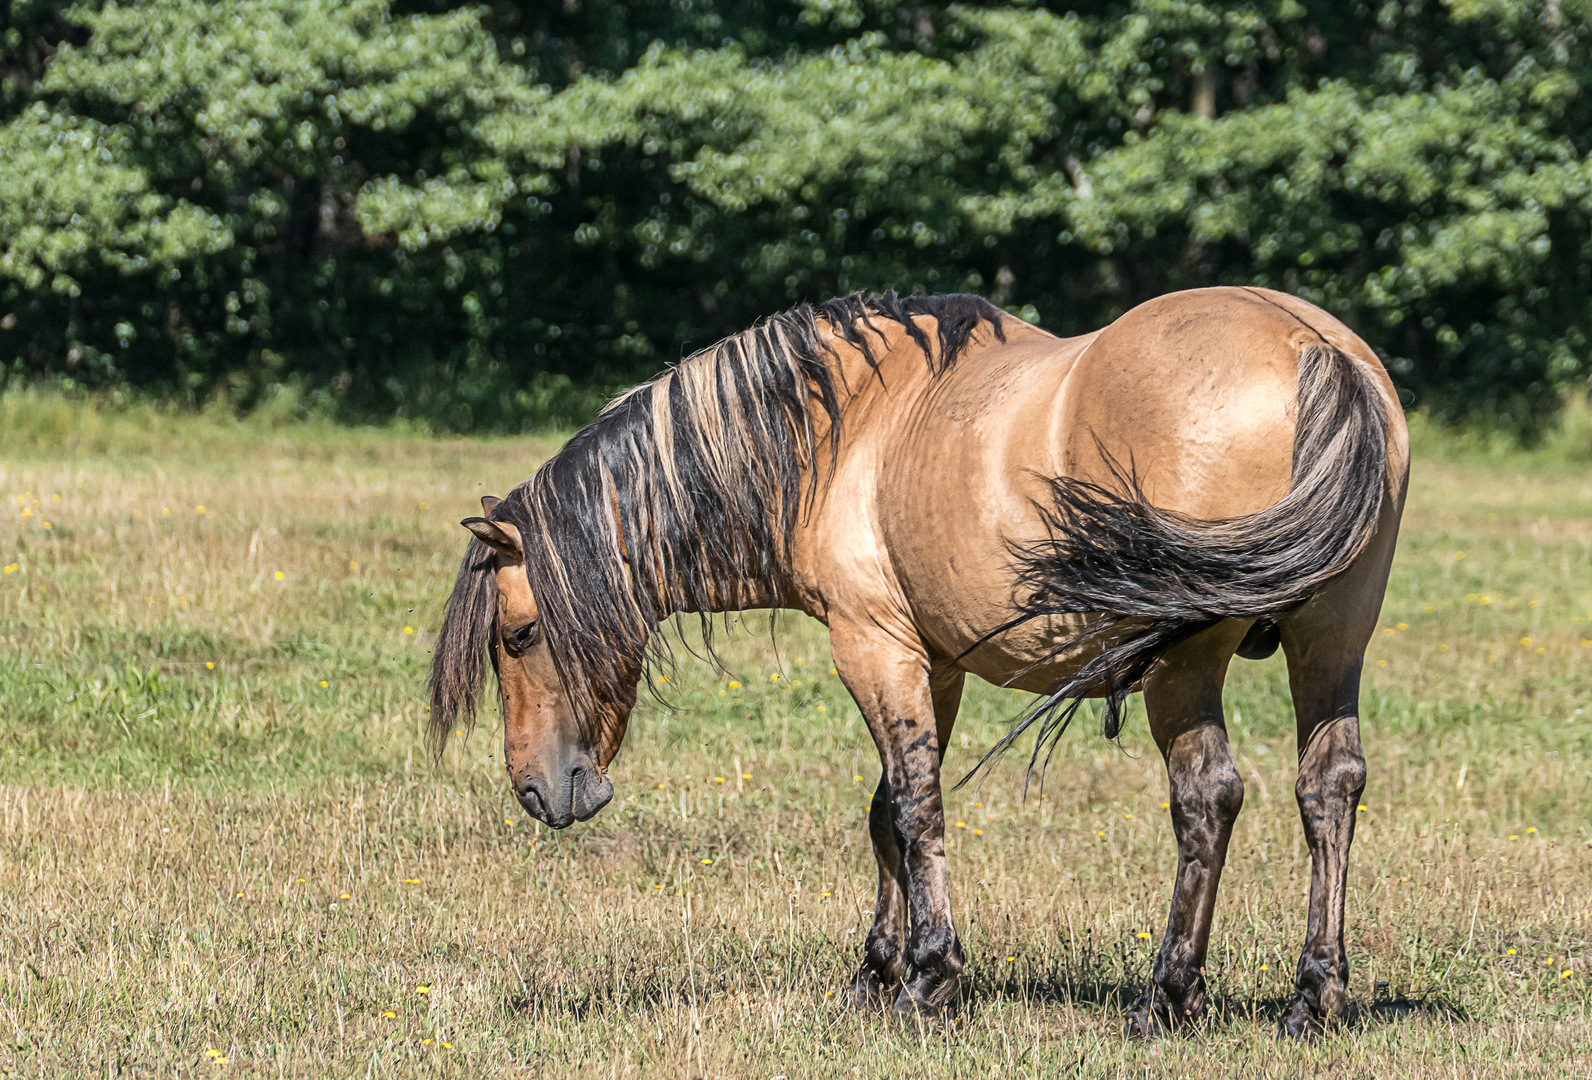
column 581, row 791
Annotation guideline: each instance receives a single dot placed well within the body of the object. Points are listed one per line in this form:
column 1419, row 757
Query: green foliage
column 484, row 217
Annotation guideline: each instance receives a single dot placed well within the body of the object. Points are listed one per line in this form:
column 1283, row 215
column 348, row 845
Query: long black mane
column 681, row 496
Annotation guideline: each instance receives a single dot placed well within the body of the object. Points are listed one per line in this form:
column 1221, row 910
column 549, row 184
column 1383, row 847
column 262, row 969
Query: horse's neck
column 895, row 368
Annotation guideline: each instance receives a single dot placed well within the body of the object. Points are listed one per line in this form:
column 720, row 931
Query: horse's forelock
column 458, row 666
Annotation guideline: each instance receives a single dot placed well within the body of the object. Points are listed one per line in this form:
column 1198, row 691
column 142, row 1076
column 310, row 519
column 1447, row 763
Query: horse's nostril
column 533, row 802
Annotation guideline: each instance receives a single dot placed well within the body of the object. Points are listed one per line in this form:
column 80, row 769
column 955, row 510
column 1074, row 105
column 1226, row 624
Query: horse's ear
column 500, row 536
column 489, row 503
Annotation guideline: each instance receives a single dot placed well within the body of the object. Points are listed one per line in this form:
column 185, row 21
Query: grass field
column 224, row 850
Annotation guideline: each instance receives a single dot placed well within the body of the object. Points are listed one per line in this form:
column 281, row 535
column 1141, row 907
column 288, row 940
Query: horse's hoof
column 932, row 1006
column 1144, row 1023
column 1299, row 1020
column 869, row 992
column 1156, row 1015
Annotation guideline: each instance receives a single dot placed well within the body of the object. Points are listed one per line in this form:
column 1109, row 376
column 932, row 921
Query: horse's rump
column 1156, row 577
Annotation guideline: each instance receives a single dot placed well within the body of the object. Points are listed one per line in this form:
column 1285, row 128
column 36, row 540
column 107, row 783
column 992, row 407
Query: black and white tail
column 1157, row 578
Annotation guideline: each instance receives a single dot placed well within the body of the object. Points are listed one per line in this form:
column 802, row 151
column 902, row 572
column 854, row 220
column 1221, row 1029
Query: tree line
column 488, row 216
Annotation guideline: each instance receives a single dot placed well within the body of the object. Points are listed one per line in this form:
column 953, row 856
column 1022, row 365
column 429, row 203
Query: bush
column 487, row 217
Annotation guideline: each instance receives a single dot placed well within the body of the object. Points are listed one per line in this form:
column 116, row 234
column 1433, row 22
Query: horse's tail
column 1156, row 578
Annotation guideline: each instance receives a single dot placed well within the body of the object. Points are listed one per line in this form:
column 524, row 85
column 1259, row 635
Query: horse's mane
column 681, row 496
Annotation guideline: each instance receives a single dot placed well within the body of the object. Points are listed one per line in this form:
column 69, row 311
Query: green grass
column 183, row 804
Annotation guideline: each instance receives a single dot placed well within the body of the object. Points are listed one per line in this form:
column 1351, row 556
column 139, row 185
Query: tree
column 485, row 217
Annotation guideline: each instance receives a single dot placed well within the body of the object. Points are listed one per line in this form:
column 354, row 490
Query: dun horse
column 951, row 490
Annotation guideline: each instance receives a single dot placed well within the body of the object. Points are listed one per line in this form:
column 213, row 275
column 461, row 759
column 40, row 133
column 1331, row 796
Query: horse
column 951, row 490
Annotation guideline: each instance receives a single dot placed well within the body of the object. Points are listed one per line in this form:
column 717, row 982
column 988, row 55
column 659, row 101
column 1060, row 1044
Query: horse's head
column 557, row 764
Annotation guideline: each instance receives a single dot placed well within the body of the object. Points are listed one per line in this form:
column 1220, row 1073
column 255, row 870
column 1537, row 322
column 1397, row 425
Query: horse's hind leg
column 1183, row 697
column 1325, row 642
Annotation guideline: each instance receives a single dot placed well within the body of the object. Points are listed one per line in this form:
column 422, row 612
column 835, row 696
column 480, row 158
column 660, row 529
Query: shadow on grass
column 641, row 987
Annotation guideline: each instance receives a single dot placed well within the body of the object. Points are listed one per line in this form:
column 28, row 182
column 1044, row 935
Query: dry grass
column 177, row 839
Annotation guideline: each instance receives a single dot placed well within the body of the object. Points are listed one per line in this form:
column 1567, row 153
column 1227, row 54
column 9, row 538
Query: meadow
column 225, row 850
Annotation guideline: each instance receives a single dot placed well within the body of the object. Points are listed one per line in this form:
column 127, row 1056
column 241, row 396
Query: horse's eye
column 521, row 637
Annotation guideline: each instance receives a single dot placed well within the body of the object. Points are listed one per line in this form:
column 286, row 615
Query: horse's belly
column 1036, row 656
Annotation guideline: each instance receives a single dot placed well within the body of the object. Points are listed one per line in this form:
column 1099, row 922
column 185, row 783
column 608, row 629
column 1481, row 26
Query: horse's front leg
column 1183, row 697
column 883, row 962
column 909, row 714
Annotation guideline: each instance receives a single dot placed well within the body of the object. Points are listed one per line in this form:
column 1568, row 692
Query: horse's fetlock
column 935, row 949
column 1184, row 989
column 883, row 956
column 1321, row 975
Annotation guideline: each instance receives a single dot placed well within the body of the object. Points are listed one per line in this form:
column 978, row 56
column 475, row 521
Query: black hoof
column 1300, row 1020
column 1142, row 1023
column 1155, row 1015
column 927, row 999
column 870, row 992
